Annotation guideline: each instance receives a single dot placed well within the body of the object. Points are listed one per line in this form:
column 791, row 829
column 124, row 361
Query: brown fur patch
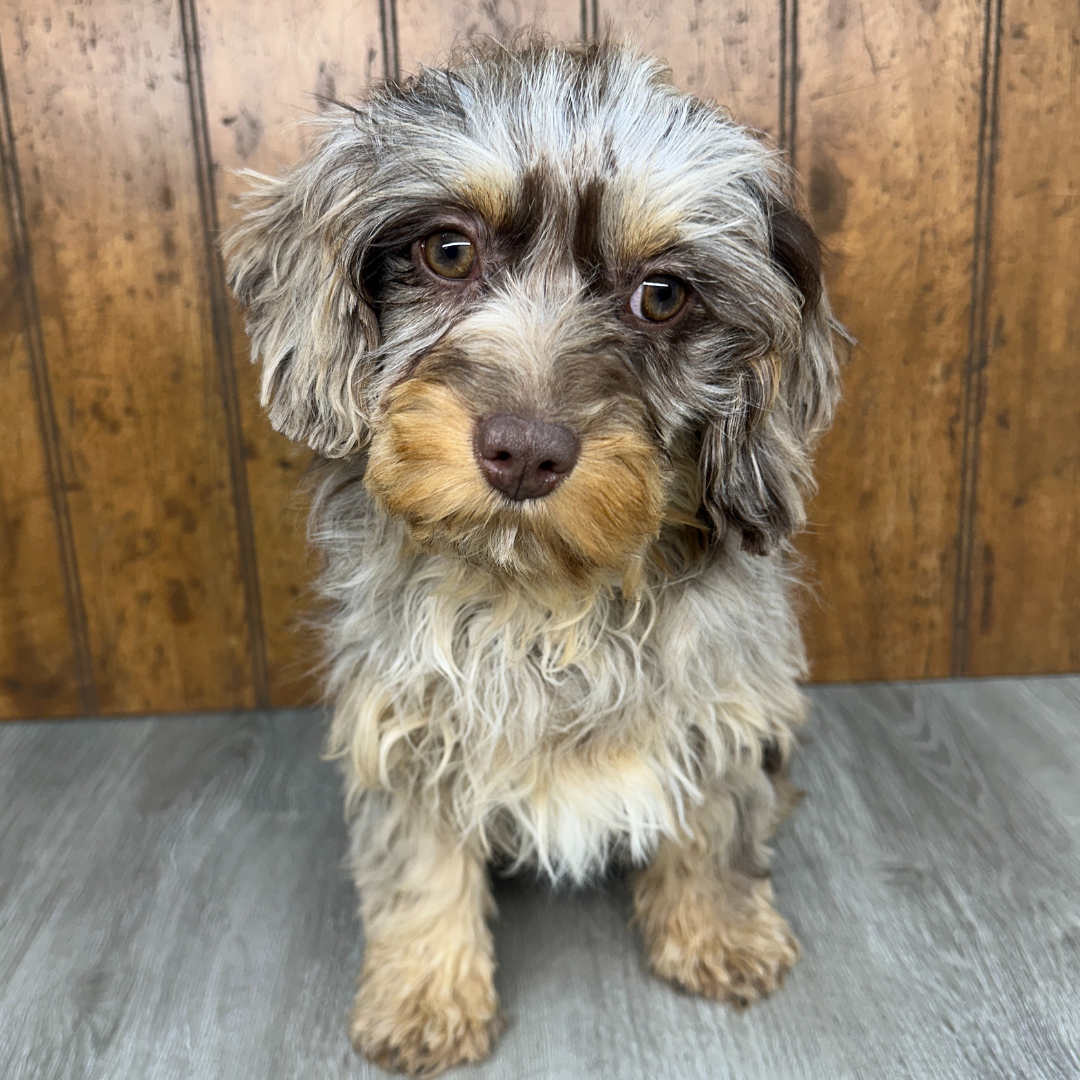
column 612, row 504
column 586, row 244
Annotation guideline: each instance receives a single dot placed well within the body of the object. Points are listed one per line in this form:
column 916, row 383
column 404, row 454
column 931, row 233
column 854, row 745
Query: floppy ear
column 756, row 457
column 308, row 320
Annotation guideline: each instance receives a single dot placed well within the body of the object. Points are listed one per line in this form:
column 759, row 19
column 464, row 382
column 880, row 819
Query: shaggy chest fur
column 560, row 729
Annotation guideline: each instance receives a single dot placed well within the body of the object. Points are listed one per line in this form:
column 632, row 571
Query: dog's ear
column 756, row 455
column 308, row 320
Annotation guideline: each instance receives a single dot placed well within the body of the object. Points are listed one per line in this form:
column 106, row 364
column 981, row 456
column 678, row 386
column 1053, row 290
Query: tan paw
column 422, row 1024
column 736, row 960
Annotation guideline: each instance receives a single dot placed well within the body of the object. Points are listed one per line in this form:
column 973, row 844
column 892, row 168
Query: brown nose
column 524, row 459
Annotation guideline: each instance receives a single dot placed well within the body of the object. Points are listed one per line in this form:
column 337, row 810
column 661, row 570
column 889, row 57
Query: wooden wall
column 151, row 553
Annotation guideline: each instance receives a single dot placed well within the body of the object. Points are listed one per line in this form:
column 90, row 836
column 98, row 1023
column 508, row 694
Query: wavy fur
column 610, row 671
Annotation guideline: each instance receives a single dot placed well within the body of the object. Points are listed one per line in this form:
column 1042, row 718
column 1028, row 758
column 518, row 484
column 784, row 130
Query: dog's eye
column 658, row 298
column 450, row 254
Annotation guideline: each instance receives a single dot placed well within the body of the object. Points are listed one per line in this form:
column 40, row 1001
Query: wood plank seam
column 388, row 28
column 974, row 378
column 44, row 404
column 789, row 76
column 590, row 20
column 223, row 347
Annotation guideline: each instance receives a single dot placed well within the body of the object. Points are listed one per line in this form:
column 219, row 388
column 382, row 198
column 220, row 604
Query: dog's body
column 560, row 333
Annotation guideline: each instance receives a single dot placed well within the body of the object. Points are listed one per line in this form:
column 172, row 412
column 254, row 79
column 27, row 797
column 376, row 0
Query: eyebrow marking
column 608, row 219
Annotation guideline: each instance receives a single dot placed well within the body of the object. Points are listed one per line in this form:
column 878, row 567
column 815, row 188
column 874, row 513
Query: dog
column 558, row 335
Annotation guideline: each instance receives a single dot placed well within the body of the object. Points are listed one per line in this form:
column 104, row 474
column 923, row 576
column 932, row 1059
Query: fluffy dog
column 559, row 334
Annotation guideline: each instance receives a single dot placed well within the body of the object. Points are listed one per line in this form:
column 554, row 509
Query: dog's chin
column 514, row 551
column 595, row 527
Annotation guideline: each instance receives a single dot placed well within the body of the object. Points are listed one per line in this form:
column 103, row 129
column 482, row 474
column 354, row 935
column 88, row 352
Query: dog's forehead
column 608, row 145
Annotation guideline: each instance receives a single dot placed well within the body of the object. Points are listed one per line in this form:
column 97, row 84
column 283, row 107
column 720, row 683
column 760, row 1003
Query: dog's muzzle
column 524, row 458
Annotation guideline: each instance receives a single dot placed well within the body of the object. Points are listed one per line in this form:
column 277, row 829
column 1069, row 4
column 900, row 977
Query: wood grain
column 257, row 100
column 175, row 906
column 38, row 670
column 888, row 103
column 428, row 29
column 1025, row 611
column 103, row 134
column 155, row 439
column 724, row 52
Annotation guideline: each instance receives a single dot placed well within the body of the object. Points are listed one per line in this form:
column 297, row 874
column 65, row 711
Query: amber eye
column 658, row 298
column 450, row 254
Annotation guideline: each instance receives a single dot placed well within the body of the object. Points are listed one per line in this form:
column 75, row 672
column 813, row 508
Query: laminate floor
column 173, row 906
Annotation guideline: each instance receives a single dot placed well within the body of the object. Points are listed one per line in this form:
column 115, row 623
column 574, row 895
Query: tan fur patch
column 635, row 226
column 422, row 469
column 708, row 937
column 612, row 504
column 421, row 1017
column 427, row 994
column 421, row 465
column 493, row 193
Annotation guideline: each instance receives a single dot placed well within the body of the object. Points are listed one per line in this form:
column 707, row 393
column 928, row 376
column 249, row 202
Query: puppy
column 558, row 332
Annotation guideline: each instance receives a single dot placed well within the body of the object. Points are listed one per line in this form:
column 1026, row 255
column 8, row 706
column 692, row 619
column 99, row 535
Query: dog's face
column 555, row 301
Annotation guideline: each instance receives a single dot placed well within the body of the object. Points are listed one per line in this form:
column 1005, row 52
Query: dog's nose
column 524, row 459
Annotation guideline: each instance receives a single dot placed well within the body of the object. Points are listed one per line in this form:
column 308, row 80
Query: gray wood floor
column 172, row 905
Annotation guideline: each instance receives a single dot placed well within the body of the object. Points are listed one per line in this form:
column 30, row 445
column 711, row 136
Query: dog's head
column 555, row 301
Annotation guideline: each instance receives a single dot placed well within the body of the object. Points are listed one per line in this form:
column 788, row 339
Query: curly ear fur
column 756, row 457
column 308, row 321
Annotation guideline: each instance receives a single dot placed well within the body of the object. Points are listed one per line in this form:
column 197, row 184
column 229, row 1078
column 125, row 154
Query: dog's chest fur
column 559, row 730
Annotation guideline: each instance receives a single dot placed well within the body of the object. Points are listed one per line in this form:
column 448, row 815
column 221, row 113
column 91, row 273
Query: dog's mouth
column 517, row 494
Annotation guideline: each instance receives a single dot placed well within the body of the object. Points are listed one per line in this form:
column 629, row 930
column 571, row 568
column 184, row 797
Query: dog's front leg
column 427, row 994
column 704, row 903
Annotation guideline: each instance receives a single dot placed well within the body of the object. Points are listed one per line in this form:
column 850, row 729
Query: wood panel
column 947, row 532
column 888, row 107
column 256, row 102
column 428, row 29
column 1025, row 611
column 725, row 52
column 103, row 134
column 38, row 669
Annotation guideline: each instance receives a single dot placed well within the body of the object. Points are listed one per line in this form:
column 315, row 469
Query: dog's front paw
column 422, row 1022
column 706, row 950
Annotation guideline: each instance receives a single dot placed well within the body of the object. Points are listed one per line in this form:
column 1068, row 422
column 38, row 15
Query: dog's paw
column 423, row 1025
column 734, row 959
